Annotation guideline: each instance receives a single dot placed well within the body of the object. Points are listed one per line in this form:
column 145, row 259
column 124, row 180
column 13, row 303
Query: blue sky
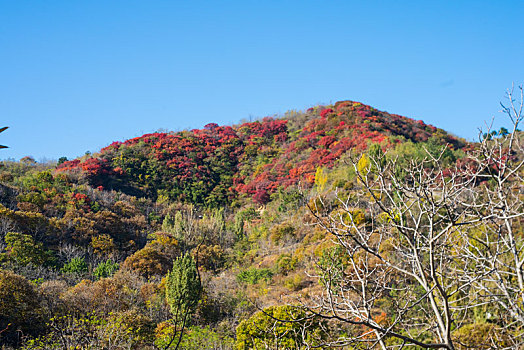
column 77, row 75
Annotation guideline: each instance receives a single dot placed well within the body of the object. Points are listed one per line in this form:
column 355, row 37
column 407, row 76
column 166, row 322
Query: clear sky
column 77, row 75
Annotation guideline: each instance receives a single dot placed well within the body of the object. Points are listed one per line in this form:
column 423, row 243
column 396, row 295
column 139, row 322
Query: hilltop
column 214, row 165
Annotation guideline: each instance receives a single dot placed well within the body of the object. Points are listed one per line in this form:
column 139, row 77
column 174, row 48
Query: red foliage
column 80, row 197
column 261, row 196
column 254, row 158
column 68, row 165
column 325, row 112
column 326, row 141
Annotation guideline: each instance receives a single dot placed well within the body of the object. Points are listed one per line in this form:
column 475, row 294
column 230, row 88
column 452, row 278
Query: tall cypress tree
column 183, row 291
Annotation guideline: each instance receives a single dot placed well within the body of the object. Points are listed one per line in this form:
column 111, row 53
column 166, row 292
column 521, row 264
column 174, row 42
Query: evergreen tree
column 183, row 291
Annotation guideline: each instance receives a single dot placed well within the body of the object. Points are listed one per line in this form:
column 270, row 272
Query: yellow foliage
column 364, row 165
column 102, row 244
column 320, row 179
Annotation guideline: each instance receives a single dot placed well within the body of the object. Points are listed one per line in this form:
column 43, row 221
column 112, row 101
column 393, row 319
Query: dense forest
column 341, row 226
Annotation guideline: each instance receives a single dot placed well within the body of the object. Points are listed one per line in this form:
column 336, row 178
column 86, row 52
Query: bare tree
column 420, row 247
column 495, row 249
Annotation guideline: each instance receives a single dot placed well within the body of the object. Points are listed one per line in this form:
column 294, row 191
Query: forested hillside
column 340, row 226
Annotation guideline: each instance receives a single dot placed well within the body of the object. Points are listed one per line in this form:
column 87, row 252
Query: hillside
column 265, row 209
column 211, row 166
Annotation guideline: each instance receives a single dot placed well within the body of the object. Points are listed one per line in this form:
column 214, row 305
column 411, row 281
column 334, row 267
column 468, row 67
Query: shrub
column 147, row 262
column 130, row 327
column 24, row 249
column 20, row 311
column 285, row 264
column 254, row 275
column 197, row 338
column 294, row 282
column 76, row 266
column 290, row 199
column 280, row 231
column 264, row 331
column 325, row 112
column 105, row 269
column 102, row 244
column 211, row 258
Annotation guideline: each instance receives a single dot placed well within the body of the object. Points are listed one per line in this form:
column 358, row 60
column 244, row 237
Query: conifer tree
column 183, row 291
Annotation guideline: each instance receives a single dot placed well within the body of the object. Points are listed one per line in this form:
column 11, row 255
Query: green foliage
column 61, row 160
column 75, row 266
column 254, row 275
column 248, row 214
column 376, row 154
column 122, row 330
column 196, row 338
column 131, row 201
column 23, row 249
column 183, row 292
column 238, row 227
column 278, row 327
column 294, row 282
column 408, row 151
column 364, row 165
column 243, row 216
column 105, row 269
column 131, row 326
column 182, row 226
column 102, row 244
column 71, row 333
column 332, row 263
column 278, row 232
column 183, row 286
column 286, row 263
column 290, row 198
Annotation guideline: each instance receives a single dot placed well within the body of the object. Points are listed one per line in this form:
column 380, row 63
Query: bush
column 24, row 250
column 211, row 258
column 280, row 231
column 294, row 282
column 254, row 275
column 197, row 338
column 105, row 269
column 290, row 199
column 20, row 311
column 285, row 264
column 148, row 262
column 76, row 266
column 131, row 326
column 264, row 331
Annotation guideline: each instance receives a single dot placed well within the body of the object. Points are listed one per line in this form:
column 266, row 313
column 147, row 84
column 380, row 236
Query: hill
column 92, row 239
column 213, row 165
